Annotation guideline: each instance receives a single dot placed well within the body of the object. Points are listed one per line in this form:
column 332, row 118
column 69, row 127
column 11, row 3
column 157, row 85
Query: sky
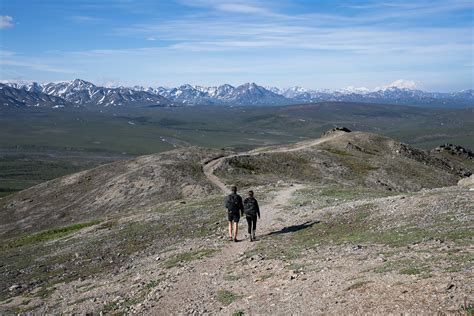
column 327, row 44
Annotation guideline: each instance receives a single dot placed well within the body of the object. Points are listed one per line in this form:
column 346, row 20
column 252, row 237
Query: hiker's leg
column 254, row 224
column 230, row 229
column 236, row 229
column 249, row 223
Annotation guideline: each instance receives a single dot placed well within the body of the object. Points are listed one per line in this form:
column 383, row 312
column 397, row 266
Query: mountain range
column 80, row 93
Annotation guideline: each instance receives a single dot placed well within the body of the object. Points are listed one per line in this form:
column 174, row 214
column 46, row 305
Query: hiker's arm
column 258, row 208
column 241, row 207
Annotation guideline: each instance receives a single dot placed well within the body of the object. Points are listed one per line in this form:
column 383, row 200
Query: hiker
column 235, row 208
column 251, row 211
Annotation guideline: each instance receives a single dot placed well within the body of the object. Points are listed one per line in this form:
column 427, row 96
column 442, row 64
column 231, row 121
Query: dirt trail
column 195, row 290
column 212, row 166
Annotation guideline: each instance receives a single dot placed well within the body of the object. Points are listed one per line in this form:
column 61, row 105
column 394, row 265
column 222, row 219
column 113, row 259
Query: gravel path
column 196, row 290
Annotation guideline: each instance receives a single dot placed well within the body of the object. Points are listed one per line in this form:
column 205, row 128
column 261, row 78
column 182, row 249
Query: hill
column 351, row 221
column 108, row 190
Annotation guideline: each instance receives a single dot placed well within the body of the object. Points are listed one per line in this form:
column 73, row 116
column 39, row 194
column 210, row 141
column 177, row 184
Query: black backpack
column 250, row 206
column 232, row 203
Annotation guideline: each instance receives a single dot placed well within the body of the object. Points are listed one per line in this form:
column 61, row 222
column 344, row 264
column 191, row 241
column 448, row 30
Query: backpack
column 250, row 206
column 232, row 203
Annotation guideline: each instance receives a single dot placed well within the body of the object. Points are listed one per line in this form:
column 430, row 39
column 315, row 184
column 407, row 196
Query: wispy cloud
column 85, row 19
column 236, row 6
column 373, row 28
column 6, row 22
column 9, row 58
column 231, row 35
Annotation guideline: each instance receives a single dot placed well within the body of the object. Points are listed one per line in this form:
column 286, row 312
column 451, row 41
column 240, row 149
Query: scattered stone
column 14, row 287
column 336, row 129
column 455, row 150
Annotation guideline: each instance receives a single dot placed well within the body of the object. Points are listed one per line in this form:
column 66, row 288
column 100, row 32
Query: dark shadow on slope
column 294, row 228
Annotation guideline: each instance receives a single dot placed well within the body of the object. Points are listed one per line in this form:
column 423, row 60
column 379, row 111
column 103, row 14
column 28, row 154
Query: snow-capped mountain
column 246, row 94
column 187, row 95
column 28, row 97
column 82, row 93
column 385, row 95
column 85, row 94
column 253, row 94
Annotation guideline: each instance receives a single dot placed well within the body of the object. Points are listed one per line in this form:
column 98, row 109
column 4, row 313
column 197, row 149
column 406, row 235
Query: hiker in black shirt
column 251, row 211
column 235, row 208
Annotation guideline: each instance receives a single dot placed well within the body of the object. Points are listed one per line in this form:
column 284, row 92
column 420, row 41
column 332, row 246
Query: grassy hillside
column 358, row 159
column 116, row 188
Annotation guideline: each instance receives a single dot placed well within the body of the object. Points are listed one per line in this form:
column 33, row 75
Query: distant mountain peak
column 83, row 93
column 399, row 84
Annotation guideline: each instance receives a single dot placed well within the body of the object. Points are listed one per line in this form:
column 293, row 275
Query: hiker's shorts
column 233, row 217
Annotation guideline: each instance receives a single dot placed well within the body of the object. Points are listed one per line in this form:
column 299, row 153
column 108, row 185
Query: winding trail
column 210, row 167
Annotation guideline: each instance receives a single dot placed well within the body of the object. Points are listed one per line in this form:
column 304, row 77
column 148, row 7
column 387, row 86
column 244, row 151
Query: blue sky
column 314, row 44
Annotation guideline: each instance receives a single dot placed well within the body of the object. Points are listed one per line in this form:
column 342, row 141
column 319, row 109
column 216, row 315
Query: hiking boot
column 235, row 239
column 251, row 238
column 230, row 238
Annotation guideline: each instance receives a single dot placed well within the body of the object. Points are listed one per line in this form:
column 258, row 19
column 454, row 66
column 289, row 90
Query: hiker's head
column 233, row 189
column 250, row 193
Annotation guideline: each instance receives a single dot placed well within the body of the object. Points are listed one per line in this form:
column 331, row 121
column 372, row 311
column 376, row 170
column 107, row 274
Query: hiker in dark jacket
column 251, row 211
column 235, row 208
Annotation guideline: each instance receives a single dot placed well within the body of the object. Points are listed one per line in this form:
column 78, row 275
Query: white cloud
column 6, row 22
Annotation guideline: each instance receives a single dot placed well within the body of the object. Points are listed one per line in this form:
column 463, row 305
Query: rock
column 450, row 286
column 158, row 258
column 335, row 130
column 467, row 182
column 455, row 150
column 14, row 287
